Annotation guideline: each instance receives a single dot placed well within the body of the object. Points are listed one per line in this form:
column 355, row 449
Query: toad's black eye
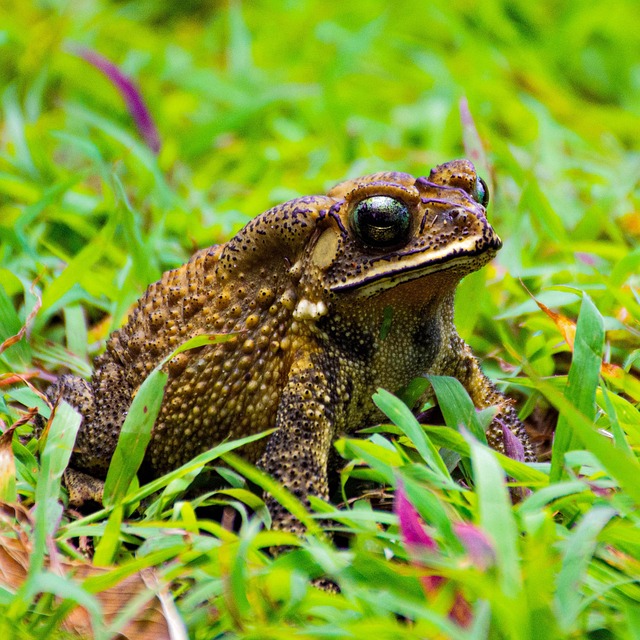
column 482, row 192
column 381, row 221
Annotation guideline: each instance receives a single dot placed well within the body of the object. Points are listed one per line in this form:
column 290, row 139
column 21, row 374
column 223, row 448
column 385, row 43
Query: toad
column 330, row 297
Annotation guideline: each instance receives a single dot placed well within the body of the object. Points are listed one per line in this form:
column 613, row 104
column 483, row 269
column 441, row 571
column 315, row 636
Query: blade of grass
column 70, row 529
column 76, row 330
column 134, row 437
column 18, row 353
column 579, row 548
column 135, row 433
column 619, row 436
column 236, row 596
column 275, row 489
column 496, row 516
column 623, row 467
column 583, row 380
column 54, row 459
column 76, row 268
column 378, row 457
column 67, row 589
column 107, row 548
column 401, row 416
column 456, row 406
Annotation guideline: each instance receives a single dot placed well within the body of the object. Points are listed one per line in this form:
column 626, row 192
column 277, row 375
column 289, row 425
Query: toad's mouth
column 387, row 272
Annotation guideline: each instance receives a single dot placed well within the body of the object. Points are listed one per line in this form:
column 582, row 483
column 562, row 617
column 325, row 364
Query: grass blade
column 134, row 437
column 579, row 548
column 583, row 380
column 496, row 516
column 398, row 412
column 623, row 467
column 55, row 457
column 135, row 433
column 456, row 406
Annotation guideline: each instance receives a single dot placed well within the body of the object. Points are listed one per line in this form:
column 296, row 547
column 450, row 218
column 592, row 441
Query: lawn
column 249, row 105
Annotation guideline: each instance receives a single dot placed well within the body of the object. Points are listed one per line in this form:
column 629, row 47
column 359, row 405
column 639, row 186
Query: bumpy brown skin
column 323, row 321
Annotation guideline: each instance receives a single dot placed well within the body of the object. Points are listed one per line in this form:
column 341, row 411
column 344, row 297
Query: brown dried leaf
column 7, row 467
column 8, row 379
column 11, row 340
column 630, row 222
column 567, row 327
column 612, row 372
column 14, row 550
column 14, row 561
column 621, row 379
column 156, row 618
column 100, row 330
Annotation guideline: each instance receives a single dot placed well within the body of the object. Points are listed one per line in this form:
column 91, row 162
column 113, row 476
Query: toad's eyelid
column 447, row 204
column 423, row 182
column 408, row 195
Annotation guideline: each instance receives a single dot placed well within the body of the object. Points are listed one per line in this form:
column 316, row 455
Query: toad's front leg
column 484, row 394
column 298, row 452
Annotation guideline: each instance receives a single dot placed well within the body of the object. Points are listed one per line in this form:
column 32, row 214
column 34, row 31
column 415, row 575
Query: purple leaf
column 586, row 258
column 476, row 543
column 413, row 533
column 420, row 544
column 414, row 536
column 512, row 446
column 129, row 92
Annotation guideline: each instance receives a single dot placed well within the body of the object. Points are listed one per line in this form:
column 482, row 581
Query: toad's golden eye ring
column 482, row 192
column 381, row 221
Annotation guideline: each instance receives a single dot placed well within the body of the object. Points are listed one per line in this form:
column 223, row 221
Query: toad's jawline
column 381, row 281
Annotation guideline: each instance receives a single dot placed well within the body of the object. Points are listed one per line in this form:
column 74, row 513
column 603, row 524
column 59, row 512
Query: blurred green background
column 259, row 102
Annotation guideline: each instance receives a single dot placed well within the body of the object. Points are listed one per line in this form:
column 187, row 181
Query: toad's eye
column 482, row 192
column 381, row 221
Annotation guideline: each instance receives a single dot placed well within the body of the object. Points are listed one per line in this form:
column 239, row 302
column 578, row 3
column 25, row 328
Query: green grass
column 255, row 104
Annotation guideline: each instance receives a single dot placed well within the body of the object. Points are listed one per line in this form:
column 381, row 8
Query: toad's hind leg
column 78, row 393
column 97, row 436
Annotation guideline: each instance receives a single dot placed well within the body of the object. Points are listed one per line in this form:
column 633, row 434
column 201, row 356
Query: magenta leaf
column 477, row 544
column 129, row 92
column 413, row 533
column 512, row 446
column 420, row 544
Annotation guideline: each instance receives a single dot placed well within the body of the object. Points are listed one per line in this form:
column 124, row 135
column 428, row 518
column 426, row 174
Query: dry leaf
column 615, row 374
column 157, row 618
column 7, row 466
column 11, row 340
column 567, row 327
column 8, row 379
column 630, row 222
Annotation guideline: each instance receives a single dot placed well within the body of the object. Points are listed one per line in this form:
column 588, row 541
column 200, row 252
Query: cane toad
column 330, row 297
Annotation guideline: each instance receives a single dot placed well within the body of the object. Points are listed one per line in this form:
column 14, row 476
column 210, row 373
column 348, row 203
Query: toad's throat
column 467, row 255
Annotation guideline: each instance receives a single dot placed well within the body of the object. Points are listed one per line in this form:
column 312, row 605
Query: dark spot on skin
column 427, row 338
column 355, row 342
